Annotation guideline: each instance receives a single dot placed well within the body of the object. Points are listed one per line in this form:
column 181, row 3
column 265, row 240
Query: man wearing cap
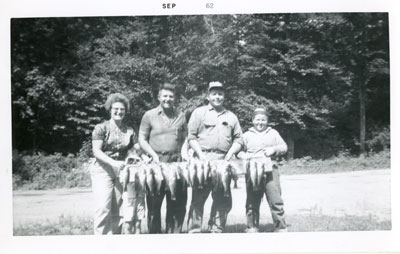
column 214, row 133
column 261, row 141
column 161, row 135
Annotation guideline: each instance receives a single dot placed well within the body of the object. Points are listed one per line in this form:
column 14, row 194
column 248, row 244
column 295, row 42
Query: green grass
column 311, row 223
column 64, row 226
column 297, row 223
column 337, row 164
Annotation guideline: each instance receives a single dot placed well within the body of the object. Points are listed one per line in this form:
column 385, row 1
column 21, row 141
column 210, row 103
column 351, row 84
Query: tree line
column 324, row 77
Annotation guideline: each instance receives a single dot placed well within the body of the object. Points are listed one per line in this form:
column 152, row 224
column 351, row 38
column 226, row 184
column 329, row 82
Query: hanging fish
column 260, row 175
column 150, row 180
column 158, row 177
column 215, row 176
column 170, row 176
column 200, row 174
column 253, row 174
column 226, row 178
column 207, row 172
column 142, row 180
column 194, row 182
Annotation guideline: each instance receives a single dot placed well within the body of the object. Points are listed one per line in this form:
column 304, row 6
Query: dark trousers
column 273, row 194
column 199, row 198
column 220, row 207
column 154, row 210
column 176, row 209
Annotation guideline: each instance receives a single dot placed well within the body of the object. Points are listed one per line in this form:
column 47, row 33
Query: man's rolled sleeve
column 237, row 134
column 145, row 127
column 193, row 126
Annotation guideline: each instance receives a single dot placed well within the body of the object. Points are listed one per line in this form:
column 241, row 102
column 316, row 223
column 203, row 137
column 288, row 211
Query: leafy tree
column 305, row 68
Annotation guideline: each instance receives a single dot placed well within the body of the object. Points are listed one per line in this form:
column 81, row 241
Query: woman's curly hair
column 117, row 97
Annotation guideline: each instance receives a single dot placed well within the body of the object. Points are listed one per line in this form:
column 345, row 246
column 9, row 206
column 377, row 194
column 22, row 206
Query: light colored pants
column 272, row 192
column 133, row 205
column 108, row 199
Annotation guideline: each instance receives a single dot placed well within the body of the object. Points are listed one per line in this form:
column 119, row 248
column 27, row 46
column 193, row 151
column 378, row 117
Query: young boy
column 133, row 205
column 262, row 141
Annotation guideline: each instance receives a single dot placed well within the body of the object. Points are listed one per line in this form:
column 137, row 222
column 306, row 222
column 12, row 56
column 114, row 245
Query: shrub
column 341, row 163
column 49, row 179
column 41, row 171
column 86, row 149
column 78, row 177
column 320, row 145
column 380, row 140
column 20, row 167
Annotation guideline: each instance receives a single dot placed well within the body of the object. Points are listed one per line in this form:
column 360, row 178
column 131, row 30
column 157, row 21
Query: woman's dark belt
column 213, row 151
column 167, row 152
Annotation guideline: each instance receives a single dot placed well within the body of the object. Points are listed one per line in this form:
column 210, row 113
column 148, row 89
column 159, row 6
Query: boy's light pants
column 133, row 205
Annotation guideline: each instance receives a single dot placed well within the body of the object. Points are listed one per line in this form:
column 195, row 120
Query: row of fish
column 198, row 174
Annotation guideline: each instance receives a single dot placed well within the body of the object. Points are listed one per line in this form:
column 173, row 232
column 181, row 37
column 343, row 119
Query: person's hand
column 146, row 159
column 185, row 156
column 202, row 157
column 156, row 159
column 123, row 176
column 117, row 166
column 242, row 155
column 228, row 156
column 269, row 151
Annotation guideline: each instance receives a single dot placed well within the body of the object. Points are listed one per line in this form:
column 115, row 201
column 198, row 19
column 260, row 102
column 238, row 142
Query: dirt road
column 352, row 193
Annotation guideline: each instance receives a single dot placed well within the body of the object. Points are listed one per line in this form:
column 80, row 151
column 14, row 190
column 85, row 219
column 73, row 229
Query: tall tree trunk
column 290, row 136
column 35, row 130
column 362, row 95
column 290, row 144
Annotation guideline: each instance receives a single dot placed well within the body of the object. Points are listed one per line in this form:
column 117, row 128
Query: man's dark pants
column 176, row 209
column 220, row 208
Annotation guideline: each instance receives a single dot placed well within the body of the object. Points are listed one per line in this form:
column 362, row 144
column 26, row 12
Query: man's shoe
column 251, row 230
column 281, row 230
column 194, row 231
column 127, row 228
column 215, row 229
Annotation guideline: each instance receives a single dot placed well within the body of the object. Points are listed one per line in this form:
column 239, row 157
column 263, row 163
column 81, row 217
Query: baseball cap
column 215, row 84
column 260, row 111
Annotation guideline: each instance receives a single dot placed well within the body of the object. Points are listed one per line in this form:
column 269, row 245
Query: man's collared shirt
column 164, row 134
column 255, row 141
column 213, row 130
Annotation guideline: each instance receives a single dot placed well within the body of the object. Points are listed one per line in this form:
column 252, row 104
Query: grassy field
column 297, row 223
column 307, row 165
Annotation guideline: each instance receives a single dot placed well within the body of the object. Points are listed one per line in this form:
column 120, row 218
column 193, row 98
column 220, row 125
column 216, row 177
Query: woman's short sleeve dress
column 116, row 141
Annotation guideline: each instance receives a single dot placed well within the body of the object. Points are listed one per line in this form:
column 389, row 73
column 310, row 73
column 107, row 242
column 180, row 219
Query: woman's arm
column 101, row 156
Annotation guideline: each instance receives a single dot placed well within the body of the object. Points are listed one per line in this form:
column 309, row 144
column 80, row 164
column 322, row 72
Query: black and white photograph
column 251, row 130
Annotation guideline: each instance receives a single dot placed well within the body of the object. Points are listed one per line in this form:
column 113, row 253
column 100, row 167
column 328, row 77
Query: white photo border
column 201, row 243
